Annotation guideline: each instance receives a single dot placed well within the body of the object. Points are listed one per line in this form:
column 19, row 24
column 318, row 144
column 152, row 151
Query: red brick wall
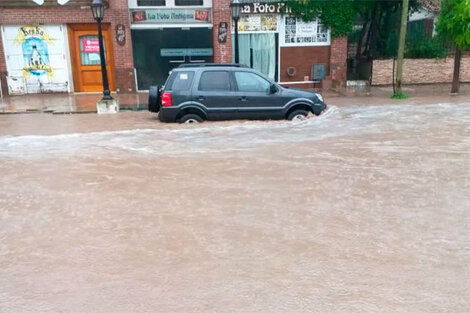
column 302, row 58
column 117, row 13
column 338, row 61
column 221, row 13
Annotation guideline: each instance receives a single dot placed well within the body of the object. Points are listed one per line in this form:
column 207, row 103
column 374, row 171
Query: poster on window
column 256, row 23
column 91, row 45
column 299, row 33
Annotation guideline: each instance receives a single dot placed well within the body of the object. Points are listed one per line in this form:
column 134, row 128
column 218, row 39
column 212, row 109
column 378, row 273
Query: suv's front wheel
column 190, row 119
column 298, row 115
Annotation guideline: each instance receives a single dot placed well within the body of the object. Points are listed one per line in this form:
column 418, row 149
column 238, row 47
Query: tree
column 401, row 45
column 454, row 23
column 339, row 15
column 378, row 18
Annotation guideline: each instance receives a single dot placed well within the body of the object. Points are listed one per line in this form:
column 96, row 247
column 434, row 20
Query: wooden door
column 86, row 60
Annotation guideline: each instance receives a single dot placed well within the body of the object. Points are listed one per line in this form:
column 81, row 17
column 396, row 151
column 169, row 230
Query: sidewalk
column 86, row 103
column 67, row 103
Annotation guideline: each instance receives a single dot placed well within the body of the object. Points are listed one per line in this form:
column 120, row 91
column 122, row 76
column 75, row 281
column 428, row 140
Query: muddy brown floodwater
column 364, row 209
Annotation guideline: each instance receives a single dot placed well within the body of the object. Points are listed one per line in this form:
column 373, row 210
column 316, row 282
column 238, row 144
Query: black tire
column 154, row 99
column 191, row 118
column 291, row 116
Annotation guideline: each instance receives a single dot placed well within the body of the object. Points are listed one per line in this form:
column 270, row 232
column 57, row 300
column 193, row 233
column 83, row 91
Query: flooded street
column 363, row 209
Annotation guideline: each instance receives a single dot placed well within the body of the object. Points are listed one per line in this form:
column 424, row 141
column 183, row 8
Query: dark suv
column 194, row 93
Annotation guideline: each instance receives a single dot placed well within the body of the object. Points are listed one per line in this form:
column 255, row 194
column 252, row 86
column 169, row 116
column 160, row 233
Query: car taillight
column 166, row 99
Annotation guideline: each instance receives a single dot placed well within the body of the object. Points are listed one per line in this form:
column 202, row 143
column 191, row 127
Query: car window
column 180, row 80
column 215, row 81
column 247, row 81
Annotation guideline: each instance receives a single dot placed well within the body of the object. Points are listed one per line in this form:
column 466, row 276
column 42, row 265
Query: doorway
column 85, row 57
column 158, row 51
column 259, row 51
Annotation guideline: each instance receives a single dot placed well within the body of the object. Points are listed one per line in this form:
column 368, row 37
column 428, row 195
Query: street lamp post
column 236, row 10
column 97, row 8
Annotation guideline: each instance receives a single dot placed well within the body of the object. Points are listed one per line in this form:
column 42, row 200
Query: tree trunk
column 456, row 77
column 401, row 44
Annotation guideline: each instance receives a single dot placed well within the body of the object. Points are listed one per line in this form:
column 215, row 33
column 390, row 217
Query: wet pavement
column 65, row 103
column 363, row 209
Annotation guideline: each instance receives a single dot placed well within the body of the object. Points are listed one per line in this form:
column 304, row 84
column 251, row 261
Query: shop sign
column 91, row 45
column 191, row 52
column 262, row 8
column 163, row 16
column 254, row 23
column 34, row 42
column 121, row 34
column 222, row 32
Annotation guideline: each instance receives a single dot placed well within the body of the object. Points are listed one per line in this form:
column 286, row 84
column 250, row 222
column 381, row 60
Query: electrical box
column 318, row 71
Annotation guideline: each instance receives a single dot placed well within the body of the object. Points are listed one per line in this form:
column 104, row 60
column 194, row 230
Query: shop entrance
column 157, row 52
column 85, row 57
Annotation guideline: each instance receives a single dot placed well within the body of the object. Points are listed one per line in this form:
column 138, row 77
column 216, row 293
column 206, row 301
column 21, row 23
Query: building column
column 338, row 61
column 3, row 67
column 123, row 56
column 221, row 13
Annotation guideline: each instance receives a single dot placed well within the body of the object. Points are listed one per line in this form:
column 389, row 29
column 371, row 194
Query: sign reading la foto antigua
column 172, row 16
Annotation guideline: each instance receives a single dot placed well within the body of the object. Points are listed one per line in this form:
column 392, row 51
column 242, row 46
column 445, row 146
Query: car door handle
column 243, row 98
column 201, row 98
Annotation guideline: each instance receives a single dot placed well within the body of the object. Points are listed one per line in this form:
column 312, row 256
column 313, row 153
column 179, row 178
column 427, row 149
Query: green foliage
column 421, row 46
column 454, row 22
column 418, row 44
column 399, row 96
column 339, row 15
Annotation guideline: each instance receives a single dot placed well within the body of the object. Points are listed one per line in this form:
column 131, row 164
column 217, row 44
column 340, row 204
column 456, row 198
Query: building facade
column 166, row 33
column 54, row 48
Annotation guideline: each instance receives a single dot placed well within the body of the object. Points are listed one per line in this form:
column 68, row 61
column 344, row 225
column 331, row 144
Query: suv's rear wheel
column 298, row 115
column 191, row 119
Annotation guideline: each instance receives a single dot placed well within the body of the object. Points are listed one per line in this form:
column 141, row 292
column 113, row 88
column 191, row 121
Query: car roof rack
column 211, row 64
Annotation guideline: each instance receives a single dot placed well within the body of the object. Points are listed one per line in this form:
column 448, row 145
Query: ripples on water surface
column 350, row 122
column 363, row 209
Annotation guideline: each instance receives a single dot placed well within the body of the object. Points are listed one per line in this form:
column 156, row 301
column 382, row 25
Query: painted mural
column 36, row 58
column 34, row 41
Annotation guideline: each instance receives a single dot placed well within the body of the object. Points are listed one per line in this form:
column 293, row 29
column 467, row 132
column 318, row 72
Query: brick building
column 166, row 33
column 54, row 48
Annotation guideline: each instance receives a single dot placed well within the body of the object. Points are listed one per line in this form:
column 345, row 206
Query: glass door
column 259, row 51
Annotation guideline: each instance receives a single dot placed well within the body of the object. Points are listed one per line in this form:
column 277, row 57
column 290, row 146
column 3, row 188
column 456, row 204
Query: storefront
column 259, row 40
column 167, row 33
column 54, row 48
column 283, row 47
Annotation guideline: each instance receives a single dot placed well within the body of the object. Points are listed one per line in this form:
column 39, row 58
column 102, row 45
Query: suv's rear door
column 216, row 92
column 254, row 97
column 179, row 84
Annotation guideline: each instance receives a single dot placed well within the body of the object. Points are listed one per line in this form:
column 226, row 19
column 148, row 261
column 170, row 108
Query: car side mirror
column 272, row 89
